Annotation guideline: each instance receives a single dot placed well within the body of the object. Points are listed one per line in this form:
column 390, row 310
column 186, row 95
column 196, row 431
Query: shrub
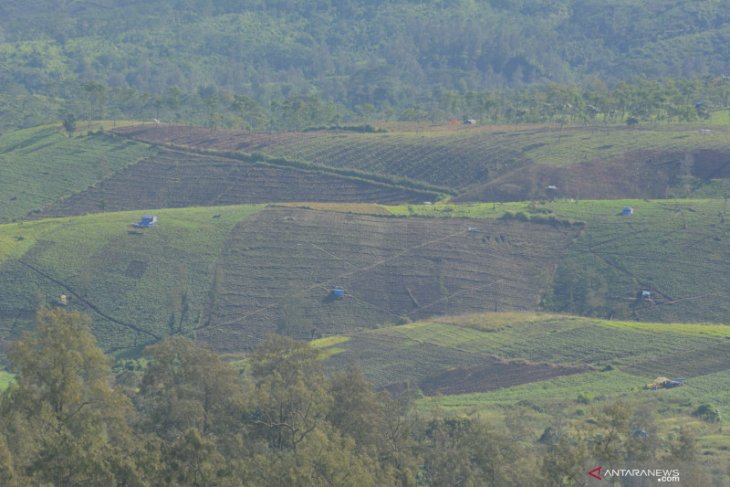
column 707, row 412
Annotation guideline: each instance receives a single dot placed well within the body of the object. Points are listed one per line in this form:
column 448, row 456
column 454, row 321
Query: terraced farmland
column 136, row 285
column 173, row 179
column 40, row 166
column 488, row 164
column 392, row 269
column 675, row 249
column 439, row 160
column 233, row 275
column 503, row 359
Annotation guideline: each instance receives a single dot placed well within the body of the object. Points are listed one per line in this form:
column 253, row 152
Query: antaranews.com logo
column 661, row 475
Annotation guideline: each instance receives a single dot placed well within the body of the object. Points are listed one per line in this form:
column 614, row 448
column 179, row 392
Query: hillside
column 499, row 163
column 44, row 173
column 41, row 166
column 357, row 53
column 539, row 366
column 137, row 285
column 232, row 275
column 470, row 354
column 675, row 249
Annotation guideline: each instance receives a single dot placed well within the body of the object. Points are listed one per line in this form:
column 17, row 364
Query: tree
column 65, row 423
column 291, row 398
column 69, row 123
column 187, row 387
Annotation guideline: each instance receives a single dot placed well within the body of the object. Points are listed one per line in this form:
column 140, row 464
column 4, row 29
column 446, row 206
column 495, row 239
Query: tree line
column 182, row 416
column 640, row 101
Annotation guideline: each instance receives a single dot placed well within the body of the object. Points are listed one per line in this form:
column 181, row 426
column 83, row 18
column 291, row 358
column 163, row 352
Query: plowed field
column 277, row 269
column 176, row 179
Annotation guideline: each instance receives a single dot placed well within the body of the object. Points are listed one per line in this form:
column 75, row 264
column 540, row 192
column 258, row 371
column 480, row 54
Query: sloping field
column 488, row 164
column 491, row 376
column 238, row 273
column 675, row 249
column 421, row 351
column 455, row 160
column 503, row 359
column 137, row 285
column 173, row 179
column 41, row 166
column 277, row 270
column 234, row 274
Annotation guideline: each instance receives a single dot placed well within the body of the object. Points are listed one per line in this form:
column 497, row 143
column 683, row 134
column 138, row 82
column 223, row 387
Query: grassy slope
column 410, row 352
column 610, row 261
column 138, row 279
column 40, row 166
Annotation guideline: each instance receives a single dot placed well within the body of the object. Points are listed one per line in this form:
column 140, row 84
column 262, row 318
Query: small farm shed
column 627, row 211
column 147, row 221
column 646, row 294
column 337, row 293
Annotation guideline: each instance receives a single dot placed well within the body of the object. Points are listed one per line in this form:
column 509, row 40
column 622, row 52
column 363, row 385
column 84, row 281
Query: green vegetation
column 102, row 263
column 301, row 64
column 6, row 379
column 579, row 318
column 618, row 360
column 41, row 166
column 185, row 417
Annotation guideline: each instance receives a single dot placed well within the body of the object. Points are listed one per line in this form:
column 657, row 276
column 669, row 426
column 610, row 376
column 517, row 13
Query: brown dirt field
column 225, row 140
column 444, row 162
column 491, row 376
column 176, row 179
column 278, row 267
column 639, row 174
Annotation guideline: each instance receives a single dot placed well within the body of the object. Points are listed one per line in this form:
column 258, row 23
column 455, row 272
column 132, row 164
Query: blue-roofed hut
column 338, row 293
column 147, row 221
column 627, row 211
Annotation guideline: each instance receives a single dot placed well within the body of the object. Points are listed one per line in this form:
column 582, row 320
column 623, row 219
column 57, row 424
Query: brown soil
column 176, row 179
column 492, row 376
column 640, row 174
column 277, row 270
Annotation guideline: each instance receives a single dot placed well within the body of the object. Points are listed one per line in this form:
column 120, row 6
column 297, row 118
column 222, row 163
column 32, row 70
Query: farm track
column 285, row 255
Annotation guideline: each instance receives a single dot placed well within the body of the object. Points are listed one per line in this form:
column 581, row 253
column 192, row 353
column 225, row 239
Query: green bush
column 707, row 412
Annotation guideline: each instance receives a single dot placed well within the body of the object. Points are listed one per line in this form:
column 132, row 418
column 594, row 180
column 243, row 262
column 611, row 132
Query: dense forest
column 182, row 416
column 211, row 60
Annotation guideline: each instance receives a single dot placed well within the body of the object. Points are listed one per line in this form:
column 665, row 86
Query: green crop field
column 5, row 379
column 232, row 279
column 41, row 166
column 136, row 284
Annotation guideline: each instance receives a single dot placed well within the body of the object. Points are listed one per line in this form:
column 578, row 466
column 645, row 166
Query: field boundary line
column 91, row 305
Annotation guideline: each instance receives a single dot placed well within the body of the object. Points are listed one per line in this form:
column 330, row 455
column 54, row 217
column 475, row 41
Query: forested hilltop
column 339, row 59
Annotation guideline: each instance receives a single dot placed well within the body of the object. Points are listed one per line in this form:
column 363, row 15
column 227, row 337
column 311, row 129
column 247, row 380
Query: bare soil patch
column 492, row 376
column 278, row 268
column 177, row 179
